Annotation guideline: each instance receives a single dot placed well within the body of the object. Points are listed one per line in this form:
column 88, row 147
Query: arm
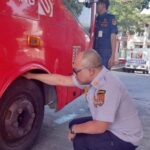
column 113, row 45
column 51, row 79
column 114, row 31
column 91, row 127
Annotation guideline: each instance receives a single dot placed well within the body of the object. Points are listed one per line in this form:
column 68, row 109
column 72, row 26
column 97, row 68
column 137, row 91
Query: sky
column 146, row 11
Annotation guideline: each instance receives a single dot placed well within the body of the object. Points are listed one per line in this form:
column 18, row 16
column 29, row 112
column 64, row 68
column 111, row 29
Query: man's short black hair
column 106, row 2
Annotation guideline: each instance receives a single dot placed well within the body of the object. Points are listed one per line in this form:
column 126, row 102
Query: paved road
column 54, row 130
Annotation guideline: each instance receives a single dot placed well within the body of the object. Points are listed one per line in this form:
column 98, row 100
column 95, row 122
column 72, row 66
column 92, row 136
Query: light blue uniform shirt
column 117, row 108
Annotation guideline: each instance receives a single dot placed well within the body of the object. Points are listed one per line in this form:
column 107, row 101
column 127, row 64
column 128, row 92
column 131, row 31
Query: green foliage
column 128, row 14
column 145, row 4
column 74, row 6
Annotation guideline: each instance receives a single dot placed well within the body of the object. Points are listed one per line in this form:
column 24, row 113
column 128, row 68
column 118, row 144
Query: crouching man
column 114, row 123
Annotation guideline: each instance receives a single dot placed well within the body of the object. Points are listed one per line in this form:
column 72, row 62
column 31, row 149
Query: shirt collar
column 99, row 77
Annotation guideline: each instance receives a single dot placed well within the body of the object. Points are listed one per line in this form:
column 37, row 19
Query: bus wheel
column 21, row 115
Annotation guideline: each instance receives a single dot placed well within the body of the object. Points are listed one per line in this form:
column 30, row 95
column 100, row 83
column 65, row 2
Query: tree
column 145, row 4
column 74, row 6
column 128, row 13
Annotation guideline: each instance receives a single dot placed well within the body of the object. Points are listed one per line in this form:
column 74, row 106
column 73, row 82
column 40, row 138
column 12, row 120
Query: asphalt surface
column 53, row 135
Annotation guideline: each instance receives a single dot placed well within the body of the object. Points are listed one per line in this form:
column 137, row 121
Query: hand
column 111, row 62
column 28, row 75
column 71, row 136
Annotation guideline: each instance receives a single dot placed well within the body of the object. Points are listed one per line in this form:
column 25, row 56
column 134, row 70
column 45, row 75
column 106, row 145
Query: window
column 140, row 34
column 148, row 36
column 138, row 46
column 148, row 46
column 82, row 14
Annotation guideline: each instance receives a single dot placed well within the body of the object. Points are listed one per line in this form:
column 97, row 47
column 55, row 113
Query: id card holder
column 100, row 34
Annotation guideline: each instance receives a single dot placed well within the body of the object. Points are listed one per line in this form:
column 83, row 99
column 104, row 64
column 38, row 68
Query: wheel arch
column 49, row 92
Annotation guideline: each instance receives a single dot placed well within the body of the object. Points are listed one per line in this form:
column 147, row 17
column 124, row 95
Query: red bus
column 37, row 36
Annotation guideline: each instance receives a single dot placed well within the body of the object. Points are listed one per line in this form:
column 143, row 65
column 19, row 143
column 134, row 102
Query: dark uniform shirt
column 105, row 25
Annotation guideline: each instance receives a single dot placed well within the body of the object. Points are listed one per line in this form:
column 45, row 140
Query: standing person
column 114, row 123
column 105, row 34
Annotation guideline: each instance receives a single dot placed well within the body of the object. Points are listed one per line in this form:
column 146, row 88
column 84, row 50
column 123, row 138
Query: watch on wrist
column 71, row 130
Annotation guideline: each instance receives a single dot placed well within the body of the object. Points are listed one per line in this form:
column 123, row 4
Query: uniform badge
column 95, row 83
column 86, row 89
column 100, row 34
column 114, row 22
column 99, row 98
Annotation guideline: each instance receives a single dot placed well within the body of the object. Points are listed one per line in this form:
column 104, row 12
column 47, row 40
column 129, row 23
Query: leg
column 105, row 58
column 120, row 144
column 78, row 143
column 79, row 121
column 104, row 141
column 93, row 142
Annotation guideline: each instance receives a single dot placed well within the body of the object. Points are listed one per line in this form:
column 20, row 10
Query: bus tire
column 21, row 115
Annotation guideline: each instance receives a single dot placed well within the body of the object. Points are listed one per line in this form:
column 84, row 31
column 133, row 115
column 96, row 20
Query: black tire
column 21, row 115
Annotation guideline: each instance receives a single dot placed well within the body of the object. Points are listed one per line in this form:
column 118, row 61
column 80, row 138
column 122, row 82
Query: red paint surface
column 59, row 33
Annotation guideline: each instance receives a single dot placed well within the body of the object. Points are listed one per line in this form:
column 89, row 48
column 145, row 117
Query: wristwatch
column 71, row 130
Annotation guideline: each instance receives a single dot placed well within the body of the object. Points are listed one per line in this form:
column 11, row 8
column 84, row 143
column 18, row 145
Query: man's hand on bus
column 28, row 75
column 51, row 79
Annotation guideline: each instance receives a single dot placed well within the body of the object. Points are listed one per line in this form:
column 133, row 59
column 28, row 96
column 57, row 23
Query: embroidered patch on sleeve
column 114, row 22
column 86, row 89
column 99, row 99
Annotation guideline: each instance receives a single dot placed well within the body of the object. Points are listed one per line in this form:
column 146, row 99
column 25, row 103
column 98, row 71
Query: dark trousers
column 104, row 141
column 105, row 56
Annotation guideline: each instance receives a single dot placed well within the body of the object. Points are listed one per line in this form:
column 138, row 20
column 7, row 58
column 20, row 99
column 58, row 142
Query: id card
column 100, row 34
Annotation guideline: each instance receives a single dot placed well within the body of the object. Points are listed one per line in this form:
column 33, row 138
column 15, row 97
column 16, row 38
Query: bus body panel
column 43, row 35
